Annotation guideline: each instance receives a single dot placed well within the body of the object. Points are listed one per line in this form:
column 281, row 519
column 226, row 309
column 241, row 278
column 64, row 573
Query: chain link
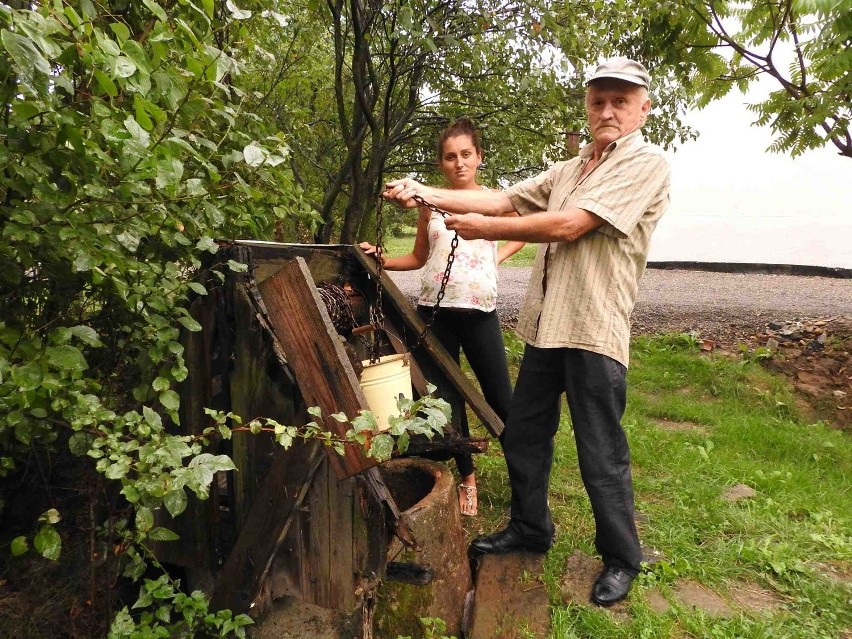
column 454, row 243
column 377, row 315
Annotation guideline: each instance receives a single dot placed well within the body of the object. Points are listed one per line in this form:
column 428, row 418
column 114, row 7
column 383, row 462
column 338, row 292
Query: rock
column 656, row 602
column 578, row 577
column 772, row 344
column 693, row 595
column 738, row 492
column 510, row 600
column 814, row 345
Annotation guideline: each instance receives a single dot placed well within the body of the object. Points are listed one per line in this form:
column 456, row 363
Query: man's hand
column 471, row 226
column 403, row 191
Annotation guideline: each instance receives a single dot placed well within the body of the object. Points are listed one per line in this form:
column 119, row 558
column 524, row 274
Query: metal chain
column 454, row 243
column 377, row 316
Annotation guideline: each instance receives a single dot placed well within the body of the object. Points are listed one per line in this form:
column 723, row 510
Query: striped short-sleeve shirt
column 581, row 293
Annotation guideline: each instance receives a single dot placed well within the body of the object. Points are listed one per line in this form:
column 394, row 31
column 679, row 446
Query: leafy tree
column 805, row 46
column 125, row 148
column 362, row 88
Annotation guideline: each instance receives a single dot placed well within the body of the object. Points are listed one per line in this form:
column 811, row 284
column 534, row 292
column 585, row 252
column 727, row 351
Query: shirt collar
column 624, row 141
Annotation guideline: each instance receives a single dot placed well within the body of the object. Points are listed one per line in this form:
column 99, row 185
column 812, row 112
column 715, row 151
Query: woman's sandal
column 468, row 505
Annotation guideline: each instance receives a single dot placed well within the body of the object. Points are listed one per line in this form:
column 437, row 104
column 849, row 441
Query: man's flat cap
column 622, row 69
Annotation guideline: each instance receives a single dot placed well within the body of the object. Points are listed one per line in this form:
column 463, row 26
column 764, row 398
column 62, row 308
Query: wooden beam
column 283, row 490
column 316, row 356
column 431, row 348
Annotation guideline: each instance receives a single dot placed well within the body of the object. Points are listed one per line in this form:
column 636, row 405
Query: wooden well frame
column 304, row 522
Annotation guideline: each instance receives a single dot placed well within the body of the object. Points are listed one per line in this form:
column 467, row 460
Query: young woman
column 467, row 318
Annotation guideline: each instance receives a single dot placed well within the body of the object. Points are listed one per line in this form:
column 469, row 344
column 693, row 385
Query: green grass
column 738, row 425
column 399, row 245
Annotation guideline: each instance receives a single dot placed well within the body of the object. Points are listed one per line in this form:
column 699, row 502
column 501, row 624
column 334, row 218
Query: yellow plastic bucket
column 383, row 382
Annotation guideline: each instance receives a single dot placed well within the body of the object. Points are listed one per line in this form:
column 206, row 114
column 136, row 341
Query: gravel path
column 721, row 306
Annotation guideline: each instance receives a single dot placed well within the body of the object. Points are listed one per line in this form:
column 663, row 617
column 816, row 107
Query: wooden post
column 274, row 507
column 315, row 354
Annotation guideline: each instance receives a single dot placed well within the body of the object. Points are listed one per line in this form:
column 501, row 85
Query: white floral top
column 473, row 278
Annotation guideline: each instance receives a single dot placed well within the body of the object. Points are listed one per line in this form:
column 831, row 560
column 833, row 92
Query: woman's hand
column 370, row 249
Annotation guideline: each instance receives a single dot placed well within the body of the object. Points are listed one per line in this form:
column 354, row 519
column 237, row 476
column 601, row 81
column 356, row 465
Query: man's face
column 615, row 108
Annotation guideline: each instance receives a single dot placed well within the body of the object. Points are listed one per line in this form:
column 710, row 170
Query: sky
column 733, row 201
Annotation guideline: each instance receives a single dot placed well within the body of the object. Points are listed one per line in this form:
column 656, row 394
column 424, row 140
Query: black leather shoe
column 504, row 542
column 611, row 586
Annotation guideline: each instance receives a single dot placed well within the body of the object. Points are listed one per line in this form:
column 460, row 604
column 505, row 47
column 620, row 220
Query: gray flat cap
column 622, row 69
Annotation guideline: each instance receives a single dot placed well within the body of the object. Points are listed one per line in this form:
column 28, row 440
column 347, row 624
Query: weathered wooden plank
column 197, row 546
column 257, row 389
column 326, row 262
column 341, row 569
column 316, row 355
column 328, row 575
column 431, row 348
column 272, row 512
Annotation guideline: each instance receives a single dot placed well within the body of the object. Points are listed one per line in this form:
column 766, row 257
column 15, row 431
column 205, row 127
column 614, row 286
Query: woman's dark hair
column 462, row 126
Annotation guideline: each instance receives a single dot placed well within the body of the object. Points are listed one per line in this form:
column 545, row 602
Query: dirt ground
column 799, row 326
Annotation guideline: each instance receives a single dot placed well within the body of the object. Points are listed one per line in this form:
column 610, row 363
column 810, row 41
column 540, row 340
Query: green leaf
column 117, row 470
column 198, row 288
column 25, row 110
column 51, row 516
column 239, row 14
column 237, row 267
column 253, row 154
column 67, row 358
column 208, row 7
column 175, row 502
column 28, row 377
column 128, row 240
column 152, row 418
column 141, row 114
column 170, row 400
column 163, row 534
column 382, row 447
column 144, row 519
column 190, row 324
column 26, row 55
column 48, row 543
column 207, row 244
column 205, row 466
column 80, row 443
column 86, row 334
column 120, row 30
column 169, row 172
column 19, row 546
column 105, row 83
column 156, row 9
column 123, row 67
column 84, row 262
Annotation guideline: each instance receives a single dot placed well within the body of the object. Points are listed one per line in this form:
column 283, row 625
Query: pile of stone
column 796, row 333
column 816, row 354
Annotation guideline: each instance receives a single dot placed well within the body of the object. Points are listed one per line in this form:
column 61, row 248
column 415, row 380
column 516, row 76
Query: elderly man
column 593, row 216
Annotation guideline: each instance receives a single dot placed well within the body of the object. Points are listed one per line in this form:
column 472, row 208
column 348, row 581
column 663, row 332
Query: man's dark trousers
column 596, row 389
